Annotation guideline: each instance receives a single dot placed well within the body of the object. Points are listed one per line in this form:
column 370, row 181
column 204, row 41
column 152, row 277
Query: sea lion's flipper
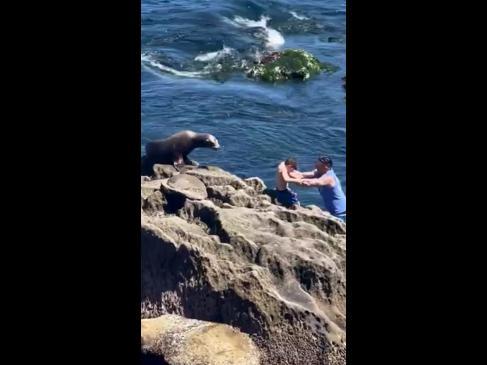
column 188, row 161
column 178, row 166
column 178, row 162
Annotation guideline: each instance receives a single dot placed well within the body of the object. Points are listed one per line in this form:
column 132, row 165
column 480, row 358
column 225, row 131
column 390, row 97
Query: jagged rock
column 152, row 198
column 323, row 220
column 164, row 171
column 288, row 64
column 176, row 340
column 186, row 185
column 220, row 192
column 238, row 198
column 257, row 184
column 241, row 199
column 149, row 187
column 154, row 203
column 213, row 176
column 274, row 273
column 314, row 208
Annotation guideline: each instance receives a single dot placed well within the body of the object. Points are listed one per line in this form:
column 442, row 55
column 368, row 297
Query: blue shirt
column 333, row 197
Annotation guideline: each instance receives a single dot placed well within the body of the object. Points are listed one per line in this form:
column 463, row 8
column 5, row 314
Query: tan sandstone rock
column 181, row 341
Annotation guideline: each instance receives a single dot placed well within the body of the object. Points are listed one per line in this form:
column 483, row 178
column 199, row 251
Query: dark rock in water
column 334, row 40
column 234, row 258
column 288, row 64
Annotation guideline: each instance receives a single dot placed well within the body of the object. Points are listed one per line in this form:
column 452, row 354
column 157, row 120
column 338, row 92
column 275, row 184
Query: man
column 286, row 173
column 329, row 186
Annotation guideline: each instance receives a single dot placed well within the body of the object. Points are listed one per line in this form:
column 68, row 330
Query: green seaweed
column 291, row 64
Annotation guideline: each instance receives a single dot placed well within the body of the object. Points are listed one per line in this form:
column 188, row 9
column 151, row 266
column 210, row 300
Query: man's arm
column 308, row 175
column 322, row 181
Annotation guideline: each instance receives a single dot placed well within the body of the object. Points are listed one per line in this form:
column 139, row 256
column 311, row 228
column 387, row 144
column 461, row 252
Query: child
column 286, row 173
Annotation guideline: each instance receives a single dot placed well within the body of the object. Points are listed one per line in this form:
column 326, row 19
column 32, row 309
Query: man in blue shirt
column 328, row 184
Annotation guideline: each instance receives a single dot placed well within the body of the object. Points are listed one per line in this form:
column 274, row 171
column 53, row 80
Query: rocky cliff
column 216, row 248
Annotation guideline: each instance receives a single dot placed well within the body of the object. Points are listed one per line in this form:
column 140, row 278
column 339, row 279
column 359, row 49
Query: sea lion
column 176, row 148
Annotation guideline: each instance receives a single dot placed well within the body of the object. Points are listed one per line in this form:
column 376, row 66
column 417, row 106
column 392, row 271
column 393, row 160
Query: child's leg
column 294, row 200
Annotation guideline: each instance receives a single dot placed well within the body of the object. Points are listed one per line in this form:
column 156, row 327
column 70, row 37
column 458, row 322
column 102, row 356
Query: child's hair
column 291, row 162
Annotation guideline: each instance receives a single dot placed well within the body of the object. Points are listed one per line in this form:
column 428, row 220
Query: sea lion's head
column 208, row 140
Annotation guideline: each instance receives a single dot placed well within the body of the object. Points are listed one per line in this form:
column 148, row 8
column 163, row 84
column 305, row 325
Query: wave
column 273, row 39
column 299, row 17
column 210, row 56
column 149, row 60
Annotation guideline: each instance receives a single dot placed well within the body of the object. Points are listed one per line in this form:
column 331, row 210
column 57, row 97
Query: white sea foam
column 147, row 59
column 273, row 39
column 214, row 55
column 249, row 23
column 299, row 17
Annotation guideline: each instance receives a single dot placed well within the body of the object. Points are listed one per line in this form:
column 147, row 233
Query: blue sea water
column 192, row 56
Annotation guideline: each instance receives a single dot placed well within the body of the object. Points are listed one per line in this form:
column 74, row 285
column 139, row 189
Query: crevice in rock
column 222, row 307
column 210, row 217
column 174, row 203
column 151, row 359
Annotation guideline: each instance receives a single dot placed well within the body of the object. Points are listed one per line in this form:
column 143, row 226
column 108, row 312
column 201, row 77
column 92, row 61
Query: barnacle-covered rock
column 288, row 64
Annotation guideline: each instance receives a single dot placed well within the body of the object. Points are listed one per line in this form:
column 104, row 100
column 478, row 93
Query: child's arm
column 285, row 176
column 296, row 174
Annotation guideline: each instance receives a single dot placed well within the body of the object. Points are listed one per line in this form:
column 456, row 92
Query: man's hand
column 301, row 182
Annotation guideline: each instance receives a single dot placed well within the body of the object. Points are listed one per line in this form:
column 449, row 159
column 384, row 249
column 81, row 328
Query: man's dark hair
column 291, row 162
column 326, row 160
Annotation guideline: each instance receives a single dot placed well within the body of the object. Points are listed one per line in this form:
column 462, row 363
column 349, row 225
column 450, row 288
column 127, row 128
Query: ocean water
column 193, row 54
